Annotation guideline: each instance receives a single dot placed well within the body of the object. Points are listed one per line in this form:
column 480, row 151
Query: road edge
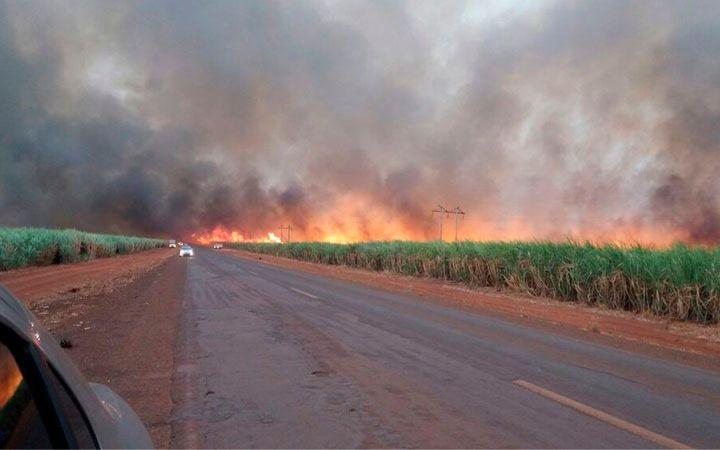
column 650, row 337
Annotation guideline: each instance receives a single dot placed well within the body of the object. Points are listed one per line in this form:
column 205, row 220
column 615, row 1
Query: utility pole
column 457, row 212
column 441, row 210
column 288, row 229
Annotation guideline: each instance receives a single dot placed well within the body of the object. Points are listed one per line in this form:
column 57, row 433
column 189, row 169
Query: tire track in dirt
column 125, row 339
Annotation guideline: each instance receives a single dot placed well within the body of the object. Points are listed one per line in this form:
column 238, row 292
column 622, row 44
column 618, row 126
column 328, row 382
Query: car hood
column 126, row 430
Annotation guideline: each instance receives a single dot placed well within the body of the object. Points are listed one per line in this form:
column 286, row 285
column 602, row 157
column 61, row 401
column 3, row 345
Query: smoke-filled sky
column 351, row 120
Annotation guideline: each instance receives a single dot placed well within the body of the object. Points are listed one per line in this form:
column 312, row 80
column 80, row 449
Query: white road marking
column 252, row 272
column 304, row 293
column 605, row 417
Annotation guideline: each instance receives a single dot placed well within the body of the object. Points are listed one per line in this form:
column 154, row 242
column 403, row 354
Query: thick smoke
column 352, row 120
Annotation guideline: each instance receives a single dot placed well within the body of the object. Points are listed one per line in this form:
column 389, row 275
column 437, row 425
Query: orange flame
column 222, row 234
column 10, row 378
column 354, row 219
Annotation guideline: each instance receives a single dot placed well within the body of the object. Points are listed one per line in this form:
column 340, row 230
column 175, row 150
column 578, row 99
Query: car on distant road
column 186, row 250
column 181, row 243
column 217, row 246
column 45, row 402
column 171, row 243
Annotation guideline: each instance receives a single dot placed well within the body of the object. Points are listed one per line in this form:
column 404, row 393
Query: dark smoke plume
column 594, row 119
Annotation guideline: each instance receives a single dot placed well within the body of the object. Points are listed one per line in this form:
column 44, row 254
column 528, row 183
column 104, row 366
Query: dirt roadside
column 40, row 285
column 121, row 316
column 583, row 321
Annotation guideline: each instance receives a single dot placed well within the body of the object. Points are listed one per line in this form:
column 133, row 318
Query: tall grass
column 680, row 282
column 21, row 247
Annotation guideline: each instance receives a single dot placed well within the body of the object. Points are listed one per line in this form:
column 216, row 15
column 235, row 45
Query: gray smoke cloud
column 595, row 119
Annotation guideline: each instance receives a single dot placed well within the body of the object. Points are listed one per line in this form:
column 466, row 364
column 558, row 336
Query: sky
column 352, row 120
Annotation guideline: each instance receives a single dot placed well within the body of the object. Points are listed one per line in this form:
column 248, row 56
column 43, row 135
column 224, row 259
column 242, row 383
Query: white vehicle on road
column 217, row 246
column 186, row 250
column 171, row 243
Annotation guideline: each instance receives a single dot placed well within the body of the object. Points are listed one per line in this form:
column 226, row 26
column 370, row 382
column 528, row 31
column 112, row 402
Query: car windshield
column 186, row 247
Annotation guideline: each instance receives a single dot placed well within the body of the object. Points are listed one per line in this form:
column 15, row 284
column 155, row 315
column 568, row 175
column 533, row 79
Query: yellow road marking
column 303, row 293
column 605, row 417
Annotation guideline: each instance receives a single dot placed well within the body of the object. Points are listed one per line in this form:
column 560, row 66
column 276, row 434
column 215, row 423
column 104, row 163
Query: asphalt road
column 269, row 357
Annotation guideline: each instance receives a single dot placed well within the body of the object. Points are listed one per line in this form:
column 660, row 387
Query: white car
column 186, row 250
column 172, row 243
column 217, row 246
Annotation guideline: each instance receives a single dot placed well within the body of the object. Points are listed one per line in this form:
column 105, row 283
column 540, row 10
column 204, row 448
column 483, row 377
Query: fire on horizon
column 348, row 121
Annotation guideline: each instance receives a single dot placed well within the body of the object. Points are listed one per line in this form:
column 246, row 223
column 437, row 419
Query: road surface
column 270, row 357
